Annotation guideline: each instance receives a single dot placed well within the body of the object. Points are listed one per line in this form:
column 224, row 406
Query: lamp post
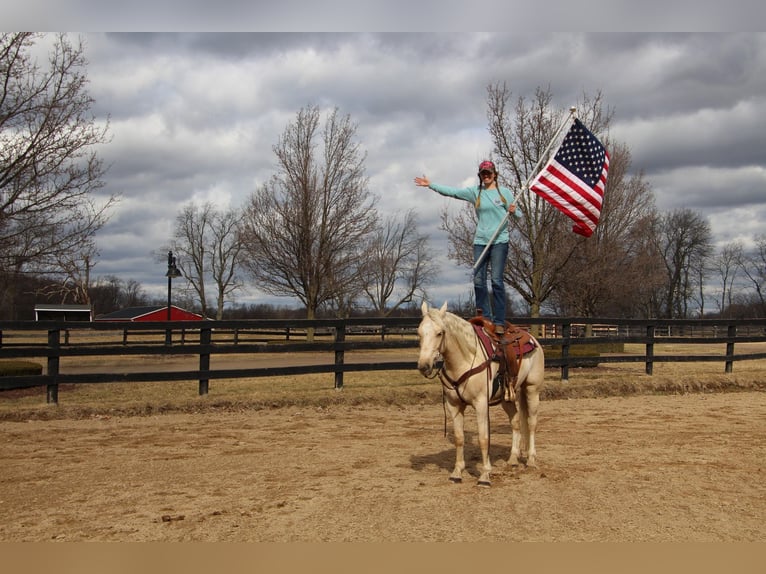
column 173, row 273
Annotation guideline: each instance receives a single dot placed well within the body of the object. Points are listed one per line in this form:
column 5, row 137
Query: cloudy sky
column 194, row 117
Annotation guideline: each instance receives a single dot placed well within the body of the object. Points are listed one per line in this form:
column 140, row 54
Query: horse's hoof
column 457, row 480
column 485, row 483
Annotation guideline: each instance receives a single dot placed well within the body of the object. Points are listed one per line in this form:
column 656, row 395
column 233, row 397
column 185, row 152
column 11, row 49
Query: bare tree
column 684, row 240
column 76, row 268
column 106, row 294
column 225, row 247
column 754, row 267
column 304, row 231
column 133, row 294
column 207, row 246
column 110, row 293
column 49, row 168
column 397, row 264
column 190, row 245
column 726, row 263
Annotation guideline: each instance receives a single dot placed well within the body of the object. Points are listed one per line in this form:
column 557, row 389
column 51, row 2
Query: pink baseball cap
column 488, row 165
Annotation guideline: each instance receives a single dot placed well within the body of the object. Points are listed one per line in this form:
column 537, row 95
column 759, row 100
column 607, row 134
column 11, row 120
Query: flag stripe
column 571, row 190
column 575, row 215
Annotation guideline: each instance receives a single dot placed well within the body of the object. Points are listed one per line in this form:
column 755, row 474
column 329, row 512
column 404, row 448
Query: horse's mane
column 461, row 330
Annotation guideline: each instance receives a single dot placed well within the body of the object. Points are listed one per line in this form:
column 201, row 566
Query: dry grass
column 381, row 388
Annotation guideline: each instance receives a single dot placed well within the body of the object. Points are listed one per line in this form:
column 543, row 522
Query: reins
column 455, row 384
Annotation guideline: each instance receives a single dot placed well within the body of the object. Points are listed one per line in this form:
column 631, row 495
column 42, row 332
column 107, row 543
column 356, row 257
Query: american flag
column 575, row 178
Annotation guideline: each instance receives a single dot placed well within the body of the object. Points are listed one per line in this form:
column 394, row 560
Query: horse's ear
column 443, row 309
column 424, row 308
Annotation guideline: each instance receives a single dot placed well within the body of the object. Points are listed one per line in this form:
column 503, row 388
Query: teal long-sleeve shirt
column 491, row 209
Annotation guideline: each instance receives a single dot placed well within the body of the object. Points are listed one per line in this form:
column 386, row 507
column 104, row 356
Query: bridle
column 439, row 357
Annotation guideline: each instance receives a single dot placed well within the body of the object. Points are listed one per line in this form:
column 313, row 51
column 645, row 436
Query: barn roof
column 65, row 312
column 129, row 313
column 65, row 307
column 150, row 313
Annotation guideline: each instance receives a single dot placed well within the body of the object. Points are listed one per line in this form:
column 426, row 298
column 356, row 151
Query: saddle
column 507, row 349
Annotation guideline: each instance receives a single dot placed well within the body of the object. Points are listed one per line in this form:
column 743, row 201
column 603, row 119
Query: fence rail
column 49, row 341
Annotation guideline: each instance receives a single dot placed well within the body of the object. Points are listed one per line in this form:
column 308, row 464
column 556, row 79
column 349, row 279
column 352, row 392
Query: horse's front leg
column 458, row 431
column 482, row 423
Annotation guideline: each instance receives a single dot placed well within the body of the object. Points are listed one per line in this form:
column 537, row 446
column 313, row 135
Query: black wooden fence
column 50, row 341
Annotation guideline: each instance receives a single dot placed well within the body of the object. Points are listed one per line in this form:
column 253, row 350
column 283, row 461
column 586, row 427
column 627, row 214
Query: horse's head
column 431, row 333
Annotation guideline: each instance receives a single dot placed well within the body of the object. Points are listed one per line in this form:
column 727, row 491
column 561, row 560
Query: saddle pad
column 516, row 334
column 485, row 340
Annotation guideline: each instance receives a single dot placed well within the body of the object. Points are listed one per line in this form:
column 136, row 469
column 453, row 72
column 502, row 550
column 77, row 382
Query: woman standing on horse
column 491, row 202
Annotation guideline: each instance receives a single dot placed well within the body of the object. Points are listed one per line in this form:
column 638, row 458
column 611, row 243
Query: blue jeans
column 495, row 258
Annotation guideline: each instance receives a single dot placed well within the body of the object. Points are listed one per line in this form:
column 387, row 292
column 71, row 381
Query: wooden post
column 340, row 337
column 731, row 332
column 649, row 349
column 204, row 358
column 54, row 346
column 566, row 333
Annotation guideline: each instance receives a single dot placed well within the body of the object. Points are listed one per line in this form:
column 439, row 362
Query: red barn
column 150, row 313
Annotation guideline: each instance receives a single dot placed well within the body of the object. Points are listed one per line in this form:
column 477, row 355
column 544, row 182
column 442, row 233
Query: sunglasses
column 485, row 173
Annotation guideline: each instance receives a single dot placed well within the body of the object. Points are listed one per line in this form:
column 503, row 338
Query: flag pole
column 543, row 157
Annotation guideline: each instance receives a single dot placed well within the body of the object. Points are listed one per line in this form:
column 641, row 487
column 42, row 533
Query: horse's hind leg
column 513, row 416
column 532, row 405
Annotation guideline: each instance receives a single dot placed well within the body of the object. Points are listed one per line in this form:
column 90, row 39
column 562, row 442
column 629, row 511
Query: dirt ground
column 687, row 467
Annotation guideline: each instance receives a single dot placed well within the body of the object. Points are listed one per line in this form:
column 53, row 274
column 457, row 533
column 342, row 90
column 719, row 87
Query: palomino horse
column 467, row 377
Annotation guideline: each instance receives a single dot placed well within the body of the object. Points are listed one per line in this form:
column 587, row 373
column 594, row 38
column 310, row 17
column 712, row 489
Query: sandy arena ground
column 640, row 468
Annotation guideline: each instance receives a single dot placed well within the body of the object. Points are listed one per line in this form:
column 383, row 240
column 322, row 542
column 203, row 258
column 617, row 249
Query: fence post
column 340, row 337
column 54, row 345
column 731, row 332
column 204, row 358
column 649, row 349
column 566, row 333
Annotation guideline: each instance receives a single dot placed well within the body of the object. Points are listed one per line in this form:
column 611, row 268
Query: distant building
column 49, row 312
column 150, row 313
